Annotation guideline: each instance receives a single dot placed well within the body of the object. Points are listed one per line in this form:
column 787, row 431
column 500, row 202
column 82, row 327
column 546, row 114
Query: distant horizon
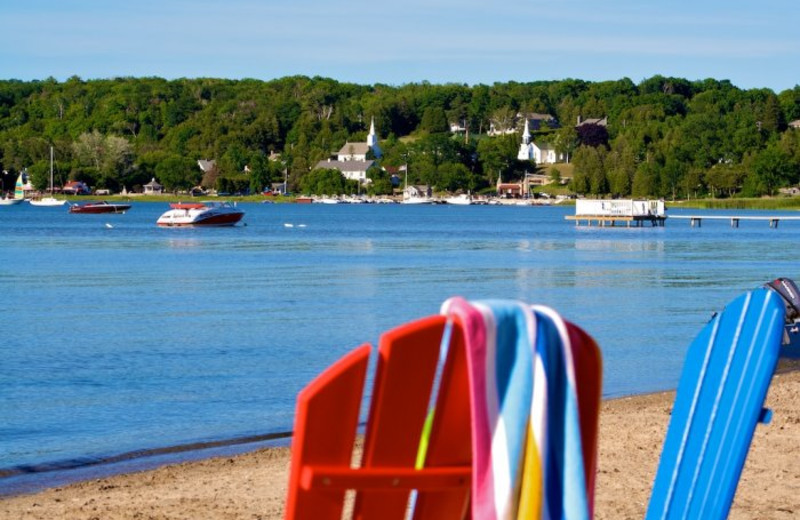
column 367, row 42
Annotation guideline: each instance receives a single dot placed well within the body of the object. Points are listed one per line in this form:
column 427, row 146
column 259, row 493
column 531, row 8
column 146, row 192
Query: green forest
column 665, row 137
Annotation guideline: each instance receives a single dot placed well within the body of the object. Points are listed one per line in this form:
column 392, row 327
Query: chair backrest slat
column 326, row 420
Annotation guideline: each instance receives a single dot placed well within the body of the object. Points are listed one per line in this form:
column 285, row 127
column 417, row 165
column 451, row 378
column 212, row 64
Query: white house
column 352, row 160
column 358, row 151
column 545, row 154
column 353, row 152
column 353, row 170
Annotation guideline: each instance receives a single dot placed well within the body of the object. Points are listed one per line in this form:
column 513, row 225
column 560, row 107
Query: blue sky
column 752, row 44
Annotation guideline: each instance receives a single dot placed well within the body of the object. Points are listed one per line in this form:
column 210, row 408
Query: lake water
column 120, row 336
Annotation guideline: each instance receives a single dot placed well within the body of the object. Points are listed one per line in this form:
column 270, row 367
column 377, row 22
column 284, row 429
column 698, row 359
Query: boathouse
column 626, row 211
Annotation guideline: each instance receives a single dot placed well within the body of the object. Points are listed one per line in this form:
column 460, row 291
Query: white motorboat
column 417, row 200
column 201, row 214
column 460, row 200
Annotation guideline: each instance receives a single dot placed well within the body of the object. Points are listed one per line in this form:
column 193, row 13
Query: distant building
column 510, row 190
column 539, row 121
column 153, row 188
column 458, row 128
column 600, row 122
column 546, row 154
column 353, row 152
column 352, row 160
column 534, row 122
column 76, row 188
column 795, row 124
column 418, row 191
column 353, row 170
column 279, row 188
column 541, row 153
column 526, row 148
column 358, row 151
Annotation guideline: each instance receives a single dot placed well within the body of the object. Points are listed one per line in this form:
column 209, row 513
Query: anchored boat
column 201, row 214
column 99, row 207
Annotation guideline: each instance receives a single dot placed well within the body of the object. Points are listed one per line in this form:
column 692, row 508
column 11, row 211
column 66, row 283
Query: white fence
column 619, row 208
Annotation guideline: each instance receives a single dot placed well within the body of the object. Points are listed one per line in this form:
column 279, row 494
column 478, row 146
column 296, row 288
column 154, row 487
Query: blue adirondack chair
column 720, row 399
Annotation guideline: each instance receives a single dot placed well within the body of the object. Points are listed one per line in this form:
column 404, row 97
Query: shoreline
column 253, row 484
column 34, row 478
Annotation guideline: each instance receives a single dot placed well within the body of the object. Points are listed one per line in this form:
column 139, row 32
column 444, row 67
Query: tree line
column 665, row 137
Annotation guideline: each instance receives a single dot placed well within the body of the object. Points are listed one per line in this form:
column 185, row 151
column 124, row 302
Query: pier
column 697, row 220
column 631, row 213
column 611, row 220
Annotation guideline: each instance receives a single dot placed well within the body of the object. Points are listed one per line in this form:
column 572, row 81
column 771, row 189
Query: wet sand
column 253, row 485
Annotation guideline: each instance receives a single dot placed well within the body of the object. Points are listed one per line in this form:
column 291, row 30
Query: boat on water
column 463, row 199
column 16, row 197
column 200, row 214
column 49, row 201
column 99, row 207
column 9, row 201
column 417, row 200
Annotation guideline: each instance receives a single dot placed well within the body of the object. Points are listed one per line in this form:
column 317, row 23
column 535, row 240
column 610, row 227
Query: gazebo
column 153, row 188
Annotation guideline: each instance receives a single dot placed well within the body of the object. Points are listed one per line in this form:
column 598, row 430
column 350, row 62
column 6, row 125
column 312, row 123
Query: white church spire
column 526, row 135
column 372, row 139
column 526, row 148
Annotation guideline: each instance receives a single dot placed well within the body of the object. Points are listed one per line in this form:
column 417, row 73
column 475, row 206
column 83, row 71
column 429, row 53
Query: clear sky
column 754, row 44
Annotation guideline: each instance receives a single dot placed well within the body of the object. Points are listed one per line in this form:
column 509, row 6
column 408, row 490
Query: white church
column 541, row 154
column 352, row 157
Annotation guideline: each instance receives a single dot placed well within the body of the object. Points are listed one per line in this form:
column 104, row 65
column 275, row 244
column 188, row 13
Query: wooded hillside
column 665, row 137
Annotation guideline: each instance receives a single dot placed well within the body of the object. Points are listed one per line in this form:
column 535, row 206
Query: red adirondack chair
column 327, row 418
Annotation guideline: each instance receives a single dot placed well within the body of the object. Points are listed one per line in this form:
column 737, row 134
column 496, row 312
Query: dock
column 697, row 220
column 610, row 220
column 631, row 213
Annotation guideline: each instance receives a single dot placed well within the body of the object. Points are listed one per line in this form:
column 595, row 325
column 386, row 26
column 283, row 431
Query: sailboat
column 17, row 197
column 49, row 201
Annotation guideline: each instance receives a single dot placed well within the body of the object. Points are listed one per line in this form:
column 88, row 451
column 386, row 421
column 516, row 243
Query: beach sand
column 253, row 486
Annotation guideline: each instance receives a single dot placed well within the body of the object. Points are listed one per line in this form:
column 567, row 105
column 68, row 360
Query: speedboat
column 99, row 207
column 200, row 214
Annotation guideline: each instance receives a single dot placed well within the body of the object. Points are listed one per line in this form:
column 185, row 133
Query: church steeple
column 372, row 139
column 526, row 148
column 526, row 135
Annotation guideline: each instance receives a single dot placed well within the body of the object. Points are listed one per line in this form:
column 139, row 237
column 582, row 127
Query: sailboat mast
column 51, row 170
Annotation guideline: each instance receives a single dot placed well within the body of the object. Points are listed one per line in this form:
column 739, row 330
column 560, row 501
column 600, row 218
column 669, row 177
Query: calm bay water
column 120, row 336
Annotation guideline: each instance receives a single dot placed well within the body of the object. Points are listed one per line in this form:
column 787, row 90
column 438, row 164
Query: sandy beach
column 253, row 485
